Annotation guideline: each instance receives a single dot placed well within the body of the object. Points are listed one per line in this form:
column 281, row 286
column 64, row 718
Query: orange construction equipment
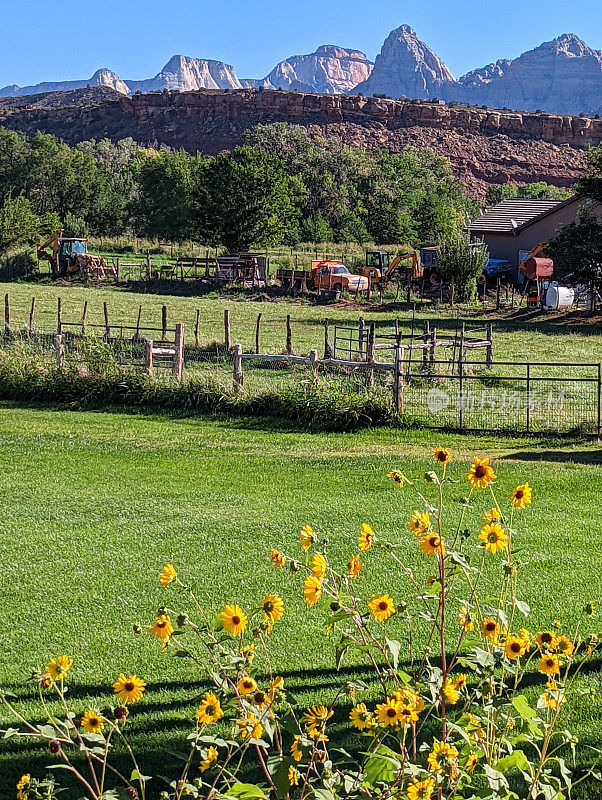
column 69, row 257
column 382, row 270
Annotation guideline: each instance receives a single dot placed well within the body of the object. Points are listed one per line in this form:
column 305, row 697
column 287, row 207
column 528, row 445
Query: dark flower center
column 546, row 637
column 519, row 494
column 491, row 626
column 480, row 472
column 236, row 619
column 260, row 698
column 492, row 538
column 268, row 607
column 382, row 606
column 209, row 710
column 129, row 686
column 515, row 647
column 391, row 712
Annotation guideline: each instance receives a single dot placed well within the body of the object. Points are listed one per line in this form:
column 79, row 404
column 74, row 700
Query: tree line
column 277, row 187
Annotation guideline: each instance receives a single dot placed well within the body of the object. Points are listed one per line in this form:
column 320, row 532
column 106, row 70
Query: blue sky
column 70, row 39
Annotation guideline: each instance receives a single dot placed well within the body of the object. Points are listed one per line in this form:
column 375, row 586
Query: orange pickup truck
column 331, row 275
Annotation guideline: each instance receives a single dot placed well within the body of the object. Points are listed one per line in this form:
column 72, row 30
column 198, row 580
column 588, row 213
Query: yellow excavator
column 381, row 269
column 69, row 257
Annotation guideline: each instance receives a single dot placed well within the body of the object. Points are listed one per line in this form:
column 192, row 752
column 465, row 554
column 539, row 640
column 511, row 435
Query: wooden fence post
column 59, row 346
column 163, row 322
column 370, row 354
column 237, row 371
column 117, row 270
column 462, row 342
column 84, row 312
column 313, row 363
column 433, row 346
column 227, row 343
column 360, row 336
column 327, row 345
column 105, row 309
column 426, row 333
column 257, row 333
column 148, row 357
column 489, row 350
column 196, row 327
column 289, row 336
column 31, row 313
column 398, row 384
column 177, row 364
column 137, row 334
column 6, row 315
column 59, row 318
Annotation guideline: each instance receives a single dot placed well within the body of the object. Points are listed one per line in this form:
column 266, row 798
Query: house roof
column 509, row 216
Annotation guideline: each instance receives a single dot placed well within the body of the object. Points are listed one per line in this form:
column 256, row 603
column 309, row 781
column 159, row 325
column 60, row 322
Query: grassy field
column 517, row 336
column 94, row 504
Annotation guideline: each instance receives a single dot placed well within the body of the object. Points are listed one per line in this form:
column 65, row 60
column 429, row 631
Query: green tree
column 18, row 223
column 462, row 261
column 316, row 229
column 590, row 185
column 577, row 250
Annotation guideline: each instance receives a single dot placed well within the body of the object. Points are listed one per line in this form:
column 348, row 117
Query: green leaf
column 245, row 791
column 382, row 766
column 394, row 647
column 516, row 760
column 495, row 779
column 522, row 706
column 340, row 615
column 278, row 769
column 323, row 794
column 137, row 776
column 524, row 608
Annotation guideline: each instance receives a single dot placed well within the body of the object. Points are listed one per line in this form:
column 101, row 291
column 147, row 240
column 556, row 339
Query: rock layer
column 484, row 146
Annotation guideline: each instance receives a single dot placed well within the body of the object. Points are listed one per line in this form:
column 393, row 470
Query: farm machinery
column 323, row 276
column 382, row 270
column 69, row 257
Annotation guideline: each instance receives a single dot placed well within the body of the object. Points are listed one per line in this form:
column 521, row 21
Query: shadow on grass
column 567, row 456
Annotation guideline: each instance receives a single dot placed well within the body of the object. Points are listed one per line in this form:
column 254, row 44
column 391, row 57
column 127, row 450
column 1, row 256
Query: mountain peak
column 406, row 66
column 329, row 70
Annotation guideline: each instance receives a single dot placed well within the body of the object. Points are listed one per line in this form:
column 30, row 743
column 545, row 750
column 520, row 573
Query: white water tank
column 559, row 296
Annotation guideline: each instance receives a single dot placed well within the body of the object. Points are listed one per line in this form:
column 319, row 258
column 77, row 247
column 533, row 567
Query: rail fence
column 488, row 395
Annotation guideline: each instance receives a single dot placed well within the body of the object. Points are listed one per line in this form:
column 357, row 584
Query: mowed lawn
column 94, row 504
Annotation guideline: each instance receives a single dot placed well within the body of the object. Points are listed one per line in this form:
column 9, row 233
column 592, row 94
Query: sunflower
column 250, row 727
column 450, row 693
column 420, row 790
column 431, row 543
column 460, row 681
column 312, row 590
column 546, row 640
column 514, row 647
column 360, row 717
column 471, row 762
column 465, row 619
column 246, row 686
column 92, row 722
column 272, row 608
column 493, row 536
column 390, row 712
column 209, row 759
column 381, row 607
column 293, row 776
column 277, row 559
column 549, row 665
column 129, row 689
column 307, row 536
column 276, row 686
column 409, row 699
column 419, row 522
column 490, row 629
column 296, row 751
column 248, row 652
column 397, row 477
column 167, row 576
column 492, row 515
column 319, row 566
column 366, row 537
column 480, row 474
column 441, row 757
column 317, row 716
column 526, row 639
column 162, row 629
column 210, row 709
column 564, row 646
column 355, row 567
column 442, row 455
column 234, row 620
column 553, row 697
column 22, row 784
column 521, row 496
column 59, row 667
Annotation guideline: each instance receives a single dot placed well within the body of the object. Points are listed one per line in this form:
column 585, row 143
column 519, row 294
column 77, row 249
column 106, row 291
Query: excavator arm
column 535, row 251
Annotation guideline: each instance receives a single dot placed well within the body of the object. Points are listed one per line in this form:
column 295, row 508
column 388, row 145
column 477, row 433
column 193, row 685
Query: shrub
column 446, row 720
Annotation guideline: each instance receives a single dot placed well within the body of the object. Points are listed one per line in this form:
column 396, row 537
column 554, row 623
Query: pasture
column 94, row 504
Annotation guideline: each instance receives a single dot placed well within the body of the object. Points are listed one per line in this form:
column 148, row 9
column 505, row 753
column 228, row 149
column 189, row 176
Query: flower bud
column 137, row 629
column 334, row 606
column 589, row 609
column 161, row 611
column 431, row 477
column 182, row 620
column 54, row 746
column 131, row 793
column 120, row 712
column 294, row 567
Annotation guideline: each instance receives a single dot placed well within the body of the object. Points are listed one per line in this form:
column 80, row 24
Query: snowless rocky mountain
column 562, row 76
column 330, row 70
column 406, row 67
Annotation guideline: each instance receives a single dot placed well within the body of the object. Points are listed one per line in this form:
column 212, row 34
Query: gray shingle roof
column 508, row 215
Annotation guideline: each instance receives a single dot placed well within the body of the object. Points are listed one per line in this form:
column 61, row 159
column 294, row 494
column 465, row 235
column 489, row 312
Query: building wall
column 508, row 246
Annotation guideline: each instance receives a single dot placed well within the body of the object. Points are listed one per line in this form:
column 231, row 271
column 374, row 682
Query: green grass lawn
column 94, row 504
column 515, row 337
